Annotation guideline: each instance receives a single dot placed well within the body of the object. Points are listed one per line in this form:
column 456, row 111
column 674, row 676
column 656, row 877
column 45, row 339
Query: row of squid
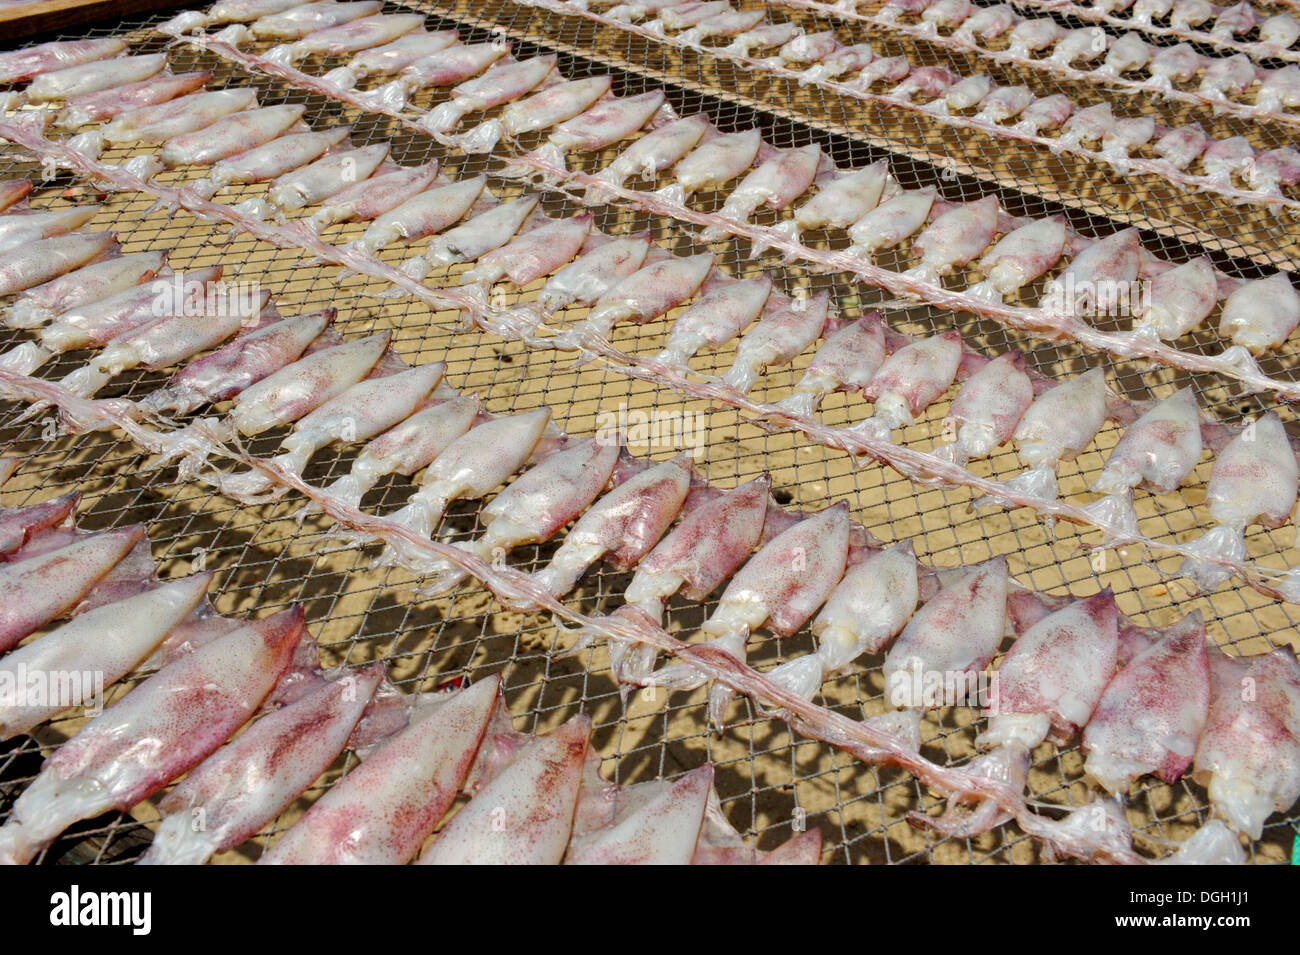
column 113, row 305
column 1000, row 33
column 1230, row 166
column 536, row 799
column 1075, row 665
column 629, row 279
column 611, row 120
column 248, row 145
column 1241, row 27
column 1103, row 277
column 852, row 68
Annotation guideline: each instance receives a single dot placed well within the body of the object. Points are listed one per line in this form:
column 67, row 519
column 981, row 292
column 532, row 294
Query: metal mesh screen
column 769, row 779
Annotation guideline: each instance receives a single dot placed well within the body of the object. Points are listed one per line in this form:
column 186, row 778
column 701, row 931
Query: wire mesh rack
column 770, row 779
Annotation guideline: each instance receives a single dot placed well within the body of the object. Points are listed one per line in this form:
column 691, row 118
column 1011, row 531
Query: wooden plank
column 24, row 20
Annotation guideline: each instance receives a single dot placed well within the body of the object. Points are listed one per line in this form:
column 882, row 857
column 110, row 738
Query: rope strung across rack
column 1095, row 77
column 524, row 326
column 1163, row 170
column 1234, row 363
column 860, row 739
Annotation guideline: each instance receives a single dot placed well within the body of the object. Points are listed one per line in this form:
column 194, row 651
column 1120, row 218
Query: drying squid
column 963, row 94
column 1003, row 103
column 1158, row 450
column 536, row 505
column 18, row 230
column 846, row 362
column 286, row 395
column 643, row 296
column 1173, row 64
column 954, row 238
column 594, row 273
column 503, row 83
column 470, row 467
column 1273, row 169
column 866, row 610
column 383, row 810
column 1279, row 30
column 43, row 588
column 765, row 36
column 1126, row 136
column 682, row 16
column 1254, row 480
column 706, row 546
column 885, row 69
column 1225, row 158
column 783, row 332
column 149, row 125
column 1178, row 300
column 1180, row 147
column 554, row 104
column 13, row 191
column 99, row 322
column 1088, row 125
column 19, row 524
column 1080, row 46
column 1127, row 54
column 84, row 286
column 1099, row 278
column 452, row 64
column 358, row 413
column 654, row 152
column 314, row 183
column 775, row 184
column 271, row 160
column 406, row 447
column 891, row 222
column 845, row 199
column 247, row 783
column 847, row 59
column 1019, row 258
column 1212, row 844
column 535, row 253
column 955, row 633
column 38, row 262
column 1030, row 36
column 714, row 163
column 1236, row 20
column 524, row 814
column 1063, row 420
column 1278, row 89
column 231, row 135
column 160, row 730
column 300, row 21
column 93, row 77
column 780, row 586
column 1053, row 677
column 718, row 316
column 245, row 361
column 1042, row 114
column 909, row 380
column 349, row 37
column 1228, row 77
column 170, row 338
column 19, row 65
column 395, row 56
column 727, row 23
column 477, row 236
column 809, row 48
column 930, row 81
column 1146, row 11
column 621, row 526
column 109, row 641
column 656, row 825
column 372, row 197
column 1262, row 314
column 987, row 409
column 1152, row 712
column 1249, row 753
column 422, row 215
